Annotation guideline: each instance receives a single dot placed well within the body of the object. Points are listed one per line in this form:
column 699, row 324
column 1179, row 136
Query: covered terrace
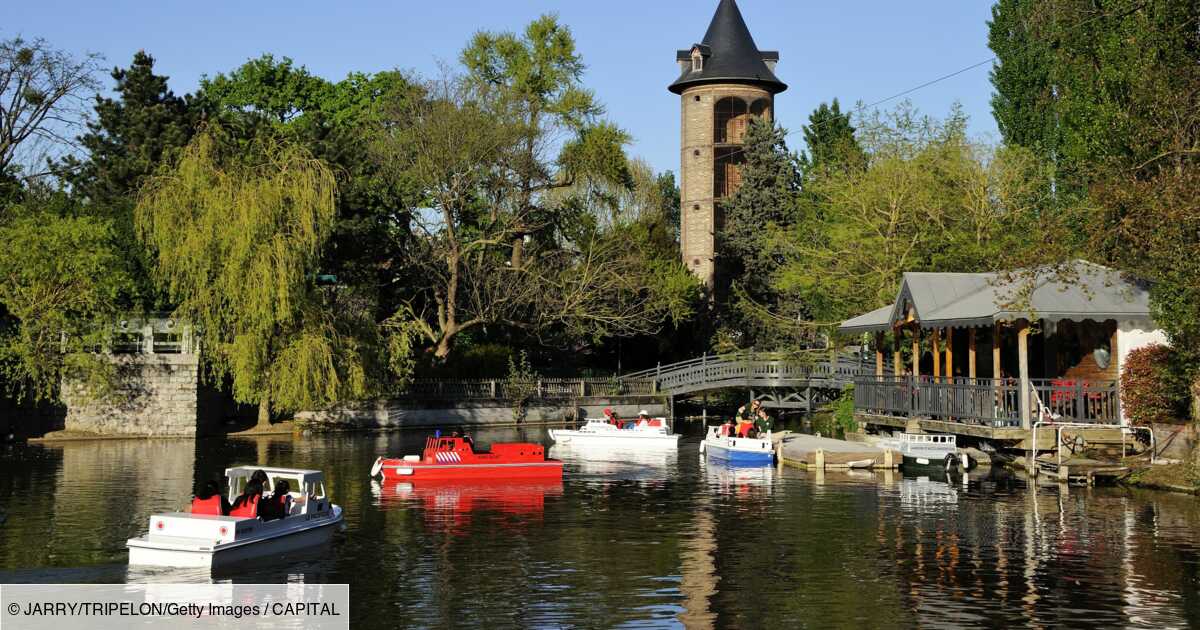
column 1004, row 350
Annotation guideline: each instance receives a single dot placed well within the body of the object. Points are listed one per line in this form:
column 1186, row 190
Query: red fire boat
column 450, row 458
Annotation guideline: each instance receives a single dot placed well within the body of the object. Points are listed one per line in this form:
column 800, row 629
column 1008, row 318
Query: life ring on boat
column 952, row 462
column 377, row 467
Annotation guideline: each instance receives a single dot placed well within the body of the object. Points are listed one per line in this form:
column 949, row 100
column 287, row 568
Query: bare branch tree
column 43, row 100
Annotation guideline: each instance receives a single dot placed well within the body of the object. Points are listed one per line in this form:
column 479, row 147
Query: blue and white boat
column 738, row 451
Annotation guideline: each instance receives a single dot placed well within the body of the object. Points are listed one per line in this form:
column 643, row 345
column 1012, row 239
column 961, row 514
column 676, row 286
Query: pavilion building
column 991, row 355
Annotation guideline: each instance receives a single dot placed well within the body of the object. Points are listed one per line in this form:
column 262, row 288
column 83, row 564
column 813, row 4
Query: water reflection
column 639, row 540
column 586, row 461
column 451, row 507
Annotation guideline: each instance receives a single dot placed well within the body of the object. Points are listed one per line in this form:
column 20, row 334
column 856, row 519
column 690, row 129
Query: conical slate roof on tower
column 729, row 55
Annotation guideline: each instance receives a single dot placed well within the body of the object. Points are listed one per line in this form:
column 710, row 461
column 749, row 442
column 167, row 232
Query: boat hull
column 616, row 439
column 195, row 553
column 739, row 451
column 400, row 470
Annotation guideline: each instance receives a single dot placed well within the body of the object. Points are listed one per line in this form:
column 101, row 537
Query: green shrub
column 843, row 411
column 1154, row 388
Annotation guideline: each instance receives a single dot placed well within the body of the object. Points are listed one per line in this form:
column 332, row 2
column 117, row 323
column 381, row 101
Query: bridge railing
column 543, row 388
column 766, row 368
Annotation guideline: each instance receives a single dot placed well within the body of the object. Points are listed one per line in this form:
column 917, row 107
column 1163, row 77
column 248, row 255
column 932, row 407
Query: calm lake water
column 662, row 541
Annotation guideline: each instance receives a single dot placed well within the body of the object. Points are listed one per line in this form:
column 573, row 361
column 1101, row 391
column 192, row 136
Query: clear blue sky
column 866, row 50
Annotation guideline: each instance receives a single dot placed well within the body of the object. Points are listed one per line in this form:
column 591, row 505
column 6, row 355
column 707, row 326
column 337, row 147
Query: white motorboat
column 932, row 449
column 181, row 539
column 738, row 451
column 652, row 433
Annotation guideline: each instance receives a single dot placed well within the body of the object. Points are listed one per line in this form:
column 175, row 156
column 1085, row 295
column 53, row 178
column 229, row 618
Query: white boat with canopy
column 643, row 433
column 182, row 539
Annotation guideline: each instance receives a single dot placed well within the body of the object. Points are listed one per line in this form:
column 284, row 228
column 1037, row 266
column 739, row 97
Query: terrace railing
column 985, row 401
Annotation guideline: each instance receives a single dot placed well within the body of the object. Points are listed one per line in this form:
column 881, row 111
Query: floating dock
column 812, row 452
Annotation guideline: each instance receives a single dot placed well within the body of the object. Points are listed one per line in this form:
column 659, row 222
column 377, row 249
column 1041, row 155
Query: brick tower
column 724, row 80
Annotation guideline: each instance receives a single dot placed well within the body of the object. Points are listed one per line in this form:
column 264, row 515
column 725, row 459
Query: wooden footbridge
column 779, row 381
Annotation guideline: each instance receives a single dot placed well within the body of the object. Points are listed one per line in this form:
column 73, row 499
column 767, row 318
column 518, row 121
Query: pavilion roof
column 1078, row 292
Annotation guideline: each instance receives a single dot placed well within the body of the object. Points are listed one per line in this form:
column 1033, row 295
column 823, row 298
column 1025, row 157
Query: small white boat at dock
column 927, row 449
column 738, row 451
column 181, row 539
column 652, row 433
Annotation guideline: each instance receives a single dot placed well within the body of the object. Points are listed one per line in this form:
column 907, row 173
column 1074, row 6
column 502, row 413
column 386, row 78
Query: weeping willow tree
column 237, row 229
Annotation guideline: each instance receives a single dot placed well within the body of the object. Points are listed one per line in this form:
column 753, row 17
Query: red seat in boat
column 210, row 506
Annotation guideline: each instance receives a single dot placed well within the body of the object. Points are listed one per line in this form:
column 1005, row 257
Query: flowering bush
column 1153, row 388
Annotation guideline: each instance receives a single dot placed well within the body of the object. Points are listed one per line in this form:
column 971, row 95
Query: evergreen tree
column 131, row 136
column 145, row 125
column 767, row 197
column 830, row 139
column 1024, row 102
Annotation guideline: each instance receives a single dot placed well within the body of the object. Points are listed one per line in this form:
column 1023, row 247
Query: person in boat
column 727, row 428
column 468, row 439
column 247, row 503
column 613, row 418
column 643, row 418
column 279, row 505
column 210, row 501
column 762, row 422
column 261, row 477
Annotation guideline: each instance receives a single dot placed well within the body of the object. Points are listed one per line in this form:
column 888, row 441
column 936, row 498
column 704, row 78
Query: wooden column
column 971, row 354
column 996, row 351
column 1023, row 357
column 878, row 354
column 1000, row 404
column 949, row 354
column 937, row 354
column 916, row 352
column 897, row 359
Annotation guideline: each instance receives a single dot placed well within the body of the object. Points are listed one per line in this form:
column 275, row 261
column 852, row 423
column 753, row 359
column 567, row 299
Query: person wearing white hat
column 643, row 418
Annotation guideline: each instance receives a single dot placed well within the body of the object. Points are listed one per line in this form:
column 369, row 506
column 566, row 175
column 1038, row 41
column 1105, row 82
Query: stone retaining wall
column 158, row 395
column 395, row 414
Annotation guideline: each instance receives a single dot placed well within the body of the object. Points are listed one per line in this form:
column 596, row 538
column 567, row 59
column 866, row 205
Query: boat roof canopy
column 246, row 471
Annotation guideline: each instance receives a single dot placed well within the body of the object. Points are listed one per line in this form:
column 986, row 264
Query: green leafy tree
column 539, row 73
column 585, row 284
column 1110, row 93
column 237, row 229
column 334, row 121
column 927, row 199
column 60, row 278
